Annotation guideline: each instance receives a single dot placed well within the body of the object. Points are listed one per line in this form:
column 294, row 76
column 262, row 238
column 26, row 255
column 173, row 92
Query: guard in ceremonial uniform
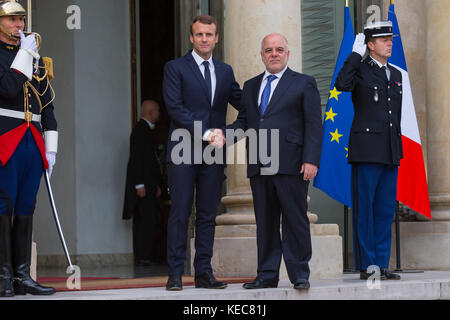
column 375, row 146
column 28, row 145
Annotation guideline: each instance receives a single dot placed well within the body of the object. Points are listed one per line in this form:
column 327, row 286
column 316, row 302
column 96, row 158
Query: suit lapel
column 219, row 71
column 256, row 85
column 196, row 70
column 281, row 88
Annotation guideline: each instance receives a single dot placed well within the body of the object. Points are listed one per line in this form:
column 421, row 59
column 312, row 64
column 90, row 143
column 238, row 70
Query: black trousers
column 285, row 196
column 144, row 221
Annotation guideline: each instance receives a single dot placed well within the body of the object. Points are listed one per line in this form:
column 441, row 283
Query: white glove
column 29, row 42
column 359, row 45
column 51, row 159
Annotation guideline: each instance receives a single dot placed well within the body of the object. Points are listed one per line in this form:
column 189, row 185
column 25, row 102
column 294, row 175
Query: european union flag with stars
column 334, row 176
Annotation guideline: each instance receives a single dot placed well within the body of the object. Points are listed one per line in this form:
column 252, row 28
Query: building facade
column 109, row 56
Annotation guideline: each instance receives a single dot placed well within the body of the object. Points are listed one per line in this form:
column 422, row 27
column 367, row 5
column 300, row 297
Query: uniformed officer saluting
column 375, row 146
column 26, row 111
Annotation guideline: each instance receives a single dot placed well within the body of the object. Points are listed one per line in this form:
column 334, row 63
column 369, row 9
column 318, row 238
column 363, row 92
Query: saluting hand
column 359, row 46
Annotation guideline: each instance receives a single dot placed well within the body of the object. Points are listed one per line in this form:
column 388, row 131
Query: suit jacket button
column 367, row 129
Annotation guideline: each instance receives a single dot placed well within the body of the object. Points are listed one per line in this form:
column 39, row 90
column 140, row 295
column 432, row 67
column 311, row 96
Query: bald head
column 275, row 52
column 150, row 110
column 272, row 36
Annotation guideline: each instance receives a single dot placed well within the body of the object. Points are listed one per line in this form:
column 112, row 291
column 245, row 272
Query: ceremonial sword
column 55, row 215
column 47, row 179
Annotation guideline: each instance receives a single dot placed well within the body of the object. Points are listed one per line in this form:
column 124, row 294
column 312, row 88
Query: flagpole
column 346, row 253
column 346, row 263
column 29, row 16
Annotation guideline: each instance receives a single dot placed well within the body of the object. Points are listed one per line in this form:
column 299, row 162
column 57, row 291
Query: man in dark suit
column 143, row 184
column 197, row 90
column 281, row 100
column 375, row 146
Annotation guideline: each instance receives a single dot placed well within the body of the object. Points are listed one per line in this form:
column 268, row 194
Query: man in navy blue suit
column 197, row 90
column 281, row 101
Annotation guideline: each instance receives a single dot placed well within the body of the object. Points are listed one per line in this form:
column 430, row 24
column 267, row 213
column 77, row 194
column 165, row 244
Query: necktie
column 385, row 71
column 208, row 79
column 266, row 95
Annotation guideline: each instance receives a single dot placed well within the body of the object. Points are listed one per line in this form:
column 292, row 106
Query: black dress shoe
column 208, row 281
column 259, row 283
column 387, row 275
column 174, row 283
column 302, row 284
column 6, row 287
column 25, row 284
column 363, row 275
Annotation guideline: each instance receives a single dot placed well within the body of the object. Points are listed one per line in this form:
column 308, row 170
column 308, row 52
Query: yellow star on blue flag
column 335, row 136
column 330, row 115
column 334, row 176
column 334, row 94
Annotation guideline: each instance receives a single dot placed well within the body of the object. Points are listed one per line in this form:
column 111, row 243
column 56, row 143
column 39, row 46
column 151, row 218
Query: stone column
column 246, row 24
column 424, row 244
column 438, row 107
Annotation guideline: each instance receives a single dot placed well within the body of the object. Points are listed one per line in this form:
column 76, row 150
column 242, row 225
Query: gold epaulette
column 48, row 63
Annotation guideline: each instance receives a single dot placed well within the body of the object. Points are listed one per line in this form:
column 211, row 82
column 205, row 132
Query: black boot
column 22, row 240
column 6, row 285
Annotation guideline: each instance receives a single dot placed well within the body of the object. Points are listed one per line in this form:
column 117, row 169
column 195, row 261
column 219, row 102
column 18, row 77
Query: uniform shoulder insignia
column 48, row 64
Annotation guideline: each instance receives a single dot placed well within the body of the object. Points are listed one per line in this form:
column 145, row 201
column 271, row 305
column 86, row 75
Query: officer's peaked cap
column 378, row 29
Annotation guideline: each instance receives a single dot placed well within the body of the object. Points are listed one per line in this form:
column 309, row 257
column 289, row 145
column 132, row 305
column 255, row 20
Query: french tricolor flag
column 412, row 180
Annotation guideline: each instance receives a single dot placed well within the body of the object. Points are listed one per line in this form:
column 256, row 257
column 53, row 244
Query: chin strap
column 9, row 34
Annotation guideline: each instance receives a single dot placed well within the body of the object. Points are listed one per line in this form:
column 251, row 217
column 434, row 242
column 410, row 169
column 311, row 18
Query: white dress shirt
column 273, row 84
column 199, row 60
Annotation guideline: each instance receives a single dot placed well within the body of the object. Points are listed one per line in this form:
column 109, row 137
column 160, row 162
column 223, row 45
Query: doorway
column 152, row 45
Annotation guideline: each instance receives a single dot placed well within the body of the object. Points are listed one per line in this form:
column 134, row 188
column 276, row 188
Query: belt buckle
column 28, row 116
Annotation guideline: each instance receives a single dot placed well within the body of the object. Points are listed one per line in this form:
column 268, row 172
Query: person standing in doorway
column 143, row 186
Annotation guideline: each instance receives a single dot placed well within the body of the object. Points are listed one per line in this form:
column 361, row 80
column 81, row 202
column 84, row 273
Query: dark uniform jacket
column 375, row 136
column 143, row 167
column 12, row 96
column 295, row 111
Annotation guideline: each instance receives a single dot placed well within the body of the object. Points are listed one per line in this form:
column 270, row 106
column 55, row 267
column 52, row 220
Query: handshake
column 216, row 138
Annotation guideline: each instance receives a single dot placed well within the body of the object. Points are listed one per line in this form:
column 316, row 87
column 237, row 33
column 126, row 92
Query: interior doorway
column 153, row 44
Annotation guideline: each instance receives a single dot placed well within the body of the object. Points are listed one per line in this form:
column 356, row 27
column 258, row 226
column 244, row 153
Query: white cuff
column 139, row 186
column 23, row 63
column 207, row 133
column 51, row 141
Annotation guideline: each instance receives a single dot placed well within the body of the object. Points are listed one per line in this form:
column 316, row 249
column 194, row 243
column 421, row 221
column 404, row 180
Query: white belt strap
column 18, row 115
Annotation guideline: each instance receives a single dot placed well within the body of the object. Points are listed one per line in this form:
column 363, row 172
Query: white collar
column 151, row 125
column 199, row 60
column 379, row 63
column 278, row 75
